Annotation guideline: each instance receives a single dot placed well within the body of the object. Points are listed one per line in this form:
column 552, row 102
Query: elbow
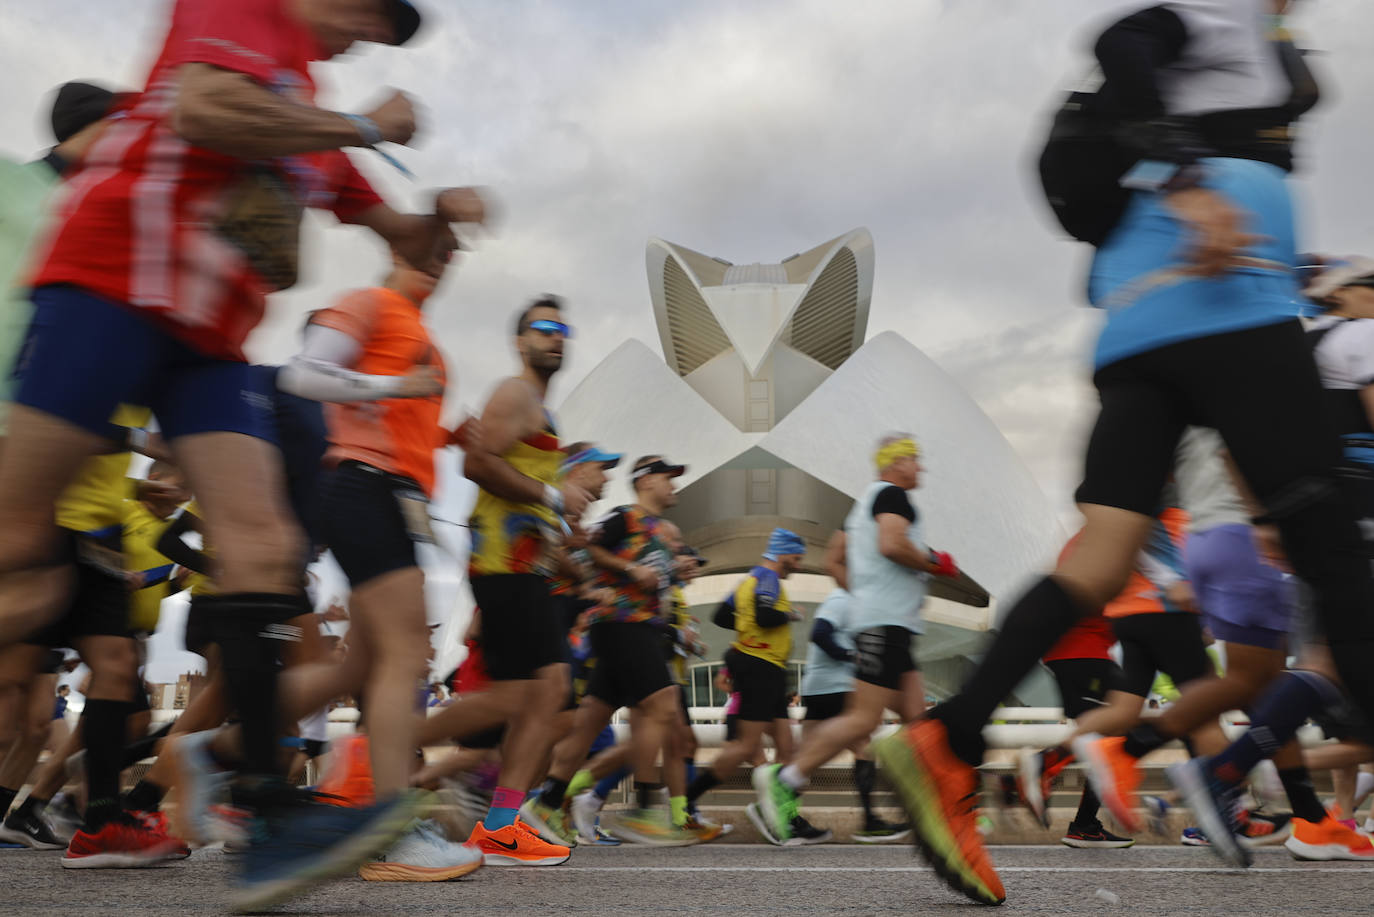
column 192, row 120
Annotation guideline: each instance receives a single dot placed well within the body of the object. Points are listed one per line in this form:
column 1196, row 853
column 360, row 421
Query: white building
column 767, row 390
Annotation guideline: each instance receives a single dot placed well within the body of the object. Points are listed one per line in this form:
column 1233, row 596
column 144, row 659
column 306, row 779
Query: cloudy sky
column 748, row 129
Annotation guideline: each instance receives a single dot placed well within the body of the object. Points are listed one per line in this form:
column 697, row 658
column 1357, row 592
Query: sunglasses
column 548, row 326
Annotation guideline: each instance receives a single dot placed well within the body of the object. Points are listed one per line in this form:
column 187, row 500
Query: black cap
column 79, row 105
column 405, row 20
column 656, row 465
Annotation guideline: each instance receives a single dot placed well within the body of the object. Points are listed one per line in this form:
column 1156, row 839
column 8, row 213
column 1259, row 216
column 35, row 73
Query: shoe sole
column 755, row 816
column 1028, row 786
column 1096, row 765
column 1301, row 850
column 1095, row 845
column 881, row 838
column 823, row 838
column 929, row 830
column 140, row 860
column 629, row 835
column 339, row 860
column 402, row 872
column 1279, row 836
column 503, row 859
column 33, row 843
column 1194, row 842
column 1190, row 785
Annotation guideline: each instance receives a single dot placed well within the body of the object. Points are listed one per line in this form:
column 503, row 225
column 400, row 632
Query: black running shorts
column 1083, row 683
column 629, row 663
column 883, row 655
column 362, row 520
column 1168, row 642
column 521, row 633
column 762, row 687
column 820, row 707
column 99, row 604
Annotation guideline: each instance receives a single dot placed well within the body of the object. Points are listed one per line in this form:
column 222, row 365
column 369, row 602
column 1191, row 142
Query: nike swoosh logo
column 503, row 845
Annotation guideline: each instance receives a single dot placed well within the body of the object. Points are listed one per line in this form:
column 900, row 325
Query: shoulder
column 892, row 499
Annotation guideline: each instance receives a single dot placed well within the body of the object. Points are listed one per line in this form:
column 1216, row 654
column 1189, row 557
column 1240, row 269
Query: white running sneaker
column 423, row 854
column 585, row 808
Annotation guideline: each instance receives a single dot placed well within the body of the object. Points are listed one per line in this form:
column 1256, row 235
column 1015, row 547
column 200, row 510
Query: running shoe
column 300, row 842
column 938, row 792
column 30, row 829
column 157, row 821
column 760, row 824
column 1328, row 839
column 423, row 854
column 777, row 801
column 1193, row 837
column 877, row 831
column 124, row 842
column 602, row 839
column 549, row 823
column 63, row 817
column 517, row 845
column 705, row 829
column 348, row 781
column 651, row 827
column 1114, row 775
column 1093, row 837
column 1257, row 831
column 1215, row 805
column 805, row 834
column 202, row 785
column 1036, row 773
column 583, row 810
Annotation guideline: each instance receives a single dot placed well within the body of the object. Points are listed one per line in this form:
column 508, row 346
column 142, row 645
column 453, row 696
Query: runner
column 634, row 563
column 1182, row 344
column 143, row 298
column 761, row 615
column 888, row 566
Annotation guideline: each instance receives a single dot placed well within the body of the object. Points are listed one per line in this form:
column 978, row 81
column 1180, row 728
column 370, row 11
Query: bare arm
column 836, row 560
column 896, row 546
column 508, row 417
column 229, row 113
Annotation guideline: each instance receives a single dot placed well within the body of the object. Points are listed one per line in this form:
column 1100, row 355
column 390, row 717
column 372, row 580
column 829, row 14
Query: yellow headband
column 897, row 449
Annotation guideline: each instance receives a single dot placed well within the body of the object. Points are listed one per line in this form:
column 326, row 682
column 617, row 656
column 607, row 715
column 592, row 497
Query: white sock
column 1364, row 785
column 793, row 777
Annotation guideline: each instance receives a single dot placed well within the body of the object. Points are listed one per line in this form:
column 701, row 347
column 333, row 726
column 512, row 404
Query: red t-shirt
column 396, row 434
column 194, row 238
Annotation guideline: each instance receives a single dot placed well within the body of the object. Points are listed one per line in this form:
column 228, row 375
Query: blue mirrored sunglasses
column 548, row 326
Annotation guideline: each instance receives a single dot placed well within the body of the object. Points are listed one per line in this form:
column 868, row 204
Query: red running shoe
column 125, row 842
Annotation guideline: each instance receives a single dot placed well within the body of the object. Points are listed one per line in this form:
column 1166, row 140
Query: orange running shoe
column 1114, row 775
column 1328, row 839
column 348, row 782
column 516, row 845
column 938, row 792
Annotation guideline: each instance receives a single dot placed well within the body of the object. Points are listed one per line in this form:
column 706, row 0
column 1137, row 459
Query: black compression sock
column 146, row 796
column 1142, row 739
column 1302, row 797
column 104, row 725
column 865, row 778
column 32, row 806
column 1088, row 806
column 1031, row 627
column 705, row 782
column 6, row 799
column 553, row 792
column 644, row 793
column 251, row 629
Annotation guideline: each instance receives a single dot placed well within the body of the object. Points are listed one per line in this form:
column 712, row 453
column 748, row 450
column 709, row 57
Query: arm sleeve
column 724, row 616
column 823, row 635
column 320, row 371
column 170, row 546
column 765, row 598
column 894, row 500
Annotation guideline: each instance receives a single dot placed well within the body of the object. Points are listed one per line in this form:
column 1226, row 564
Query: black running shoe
column 31, row 830
column 804, row 834
column 1093, row 837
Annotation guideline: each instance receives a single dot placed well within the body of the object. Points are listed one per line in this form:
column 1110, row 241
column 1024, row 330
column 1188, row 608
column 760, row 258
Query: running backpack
column 1081, row 166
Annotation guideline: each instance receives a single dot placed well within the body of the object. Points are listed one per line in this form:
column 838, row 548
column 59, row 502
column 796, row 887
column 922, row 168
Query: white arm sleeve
column 320, row 371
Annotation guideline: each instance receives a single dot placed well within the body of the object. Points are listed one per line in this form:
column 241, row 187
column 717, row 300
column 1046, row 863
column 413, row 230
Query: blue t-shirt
column 1135, row 275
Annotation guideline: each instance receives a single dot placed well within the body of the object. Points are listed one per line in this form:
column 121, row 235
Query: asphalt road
column 735, row 880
